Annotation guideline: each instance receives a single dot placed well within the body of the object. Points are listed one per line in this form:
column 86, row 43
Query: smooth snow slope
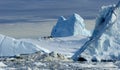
column 104, row 43
column 70, row 27
column 11, row 47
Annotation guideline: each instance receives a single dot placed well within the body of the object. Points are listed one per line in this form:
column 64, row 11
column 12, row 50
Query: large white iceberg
column 11, row 47
column 70, row 27
column 104, row 43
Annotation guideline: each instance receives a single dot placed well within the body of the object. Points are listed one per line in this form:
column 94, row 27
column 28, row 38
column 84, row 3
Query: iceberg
column 70, row 27
column 11, row 47
column 104, row 44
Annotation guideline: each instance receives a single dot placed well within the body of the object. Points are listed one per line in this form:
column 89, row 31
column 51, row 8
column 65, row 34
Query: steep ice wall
column 70, row 27
column 10, row 47
column 104, row 43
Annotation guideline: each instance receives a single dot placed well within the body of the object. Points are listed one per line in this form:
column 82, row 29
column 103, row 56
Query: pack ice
column 70, row 27
column 104, row 43
column 11, row 47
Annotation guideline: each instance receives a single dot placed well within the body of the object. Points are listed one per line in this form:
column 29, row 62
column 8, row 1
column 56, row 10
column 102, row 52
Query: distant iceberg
column 70, row 27
column 104, row 43
column 11, row 47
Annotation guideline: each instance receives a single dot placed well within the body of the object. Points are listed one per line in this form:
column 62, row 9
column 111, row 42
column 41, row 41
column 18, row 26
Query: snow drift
column 104, row 43
column 70, row 27
column 11, row 47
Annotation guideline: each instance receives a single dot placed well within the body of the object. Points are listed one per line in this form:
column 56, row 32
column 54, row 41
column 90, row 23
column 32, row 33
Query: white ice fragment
column 70, row 27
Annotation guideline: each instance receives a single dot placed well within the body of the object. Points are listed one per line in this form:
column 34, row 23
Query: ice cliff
column 104, row 43
column 11, row 47
column 70, row 27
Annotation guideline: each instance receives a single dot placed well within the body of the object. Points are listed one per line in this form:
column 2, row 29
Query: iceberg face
column 11, row 47
column 70, row 27
column 104, row 43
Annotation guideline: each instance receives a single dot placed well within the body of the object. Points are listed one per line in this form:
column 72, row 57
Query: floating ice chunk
column 70, row 27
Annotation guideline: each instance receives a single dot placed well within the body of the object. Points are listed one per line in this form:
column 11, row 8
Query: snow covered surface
column 104, row 44
column 10, row 47
column 101, row 45
column 65, row 45
column 2, row 64
column 70, row 27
